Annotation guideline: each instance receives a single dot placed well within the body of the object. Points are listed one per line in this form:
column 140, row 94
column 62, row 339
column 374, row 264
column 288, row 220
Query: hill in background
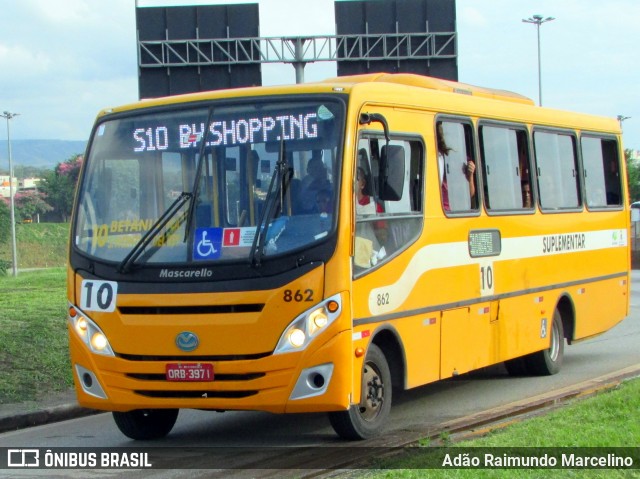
column 39, row 153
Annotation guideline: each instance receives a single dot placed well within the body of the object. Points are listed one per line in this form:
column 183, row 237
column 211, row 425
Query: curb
column 47, row 415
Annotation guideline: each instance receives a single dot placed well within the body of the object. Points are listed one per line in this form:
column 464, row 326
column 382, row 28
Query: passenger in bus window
column 469, row 169
column 323, row 202
column 526, row 195
column 366, row 206
column 523, row 170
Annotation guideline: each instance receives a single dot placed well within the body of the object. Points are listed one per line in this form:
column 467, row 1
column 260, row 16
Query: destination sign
column 226, row 132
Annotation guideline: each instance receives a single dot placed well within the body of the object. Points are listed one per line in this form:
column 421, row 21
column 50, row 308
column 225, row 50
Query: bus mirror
column 391, row 175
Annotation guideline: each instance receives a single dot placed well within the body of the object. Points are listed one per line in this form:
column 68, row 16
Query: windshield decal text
column 185, row 273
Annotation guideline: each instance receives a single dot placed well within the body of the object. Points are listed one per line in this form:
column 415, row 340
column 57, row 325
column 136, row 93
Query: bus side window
column 557, row 170
column 506, row 168
column 601, row 172
column 456, row 166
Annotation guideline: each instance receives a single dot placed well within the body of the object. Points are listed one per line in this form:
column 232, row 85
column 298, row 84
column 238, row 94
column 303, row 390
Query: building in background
column 5, row 186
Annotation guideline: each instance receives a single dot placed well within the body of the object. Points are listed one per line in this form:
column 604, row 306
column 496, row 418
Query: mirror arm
column 368, row 118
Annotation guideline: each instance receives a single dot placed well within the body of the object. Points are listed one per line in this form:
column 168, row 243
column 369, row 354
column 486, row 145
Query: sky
column 61, row 61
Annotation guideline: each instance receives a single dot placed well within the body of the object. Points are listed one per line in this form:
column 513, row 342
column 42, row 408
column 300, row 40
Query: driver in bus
column 315, row 181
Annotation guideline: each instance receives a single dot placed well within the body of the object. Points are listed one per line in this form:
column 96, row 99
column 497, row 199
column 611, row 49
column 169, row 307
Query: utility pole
column 8, row 116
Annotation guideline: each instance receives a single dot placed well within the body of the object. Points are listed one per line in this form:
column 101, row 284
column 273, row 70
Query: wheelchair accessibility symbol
column 207, row 243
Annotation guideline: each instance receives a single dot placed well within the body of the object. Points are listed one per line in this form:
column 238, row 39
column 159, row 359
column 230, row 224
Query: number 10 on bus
column 486, row 278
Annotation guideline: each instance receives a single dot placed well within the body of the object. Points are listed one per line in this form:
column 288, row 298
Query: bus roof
column 432, row 83
column 506, row 107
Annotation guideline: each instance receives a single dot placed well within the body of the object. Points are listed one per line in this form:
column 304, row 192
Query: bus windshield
column 259, row 181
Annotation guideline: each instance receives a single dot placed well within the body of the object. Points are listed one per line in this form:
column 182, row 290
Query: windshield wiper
column 275, row 194
column 196, row 181
column 160, row 223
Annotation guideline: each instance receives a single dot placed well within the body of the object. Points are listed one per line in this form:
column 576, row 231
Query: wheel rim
column 554, row 349
column 373, row 399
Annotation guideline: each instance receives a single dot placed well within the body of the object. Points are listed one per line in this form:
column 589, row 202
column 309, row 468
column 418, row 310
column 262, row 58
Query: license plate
column 189, row 372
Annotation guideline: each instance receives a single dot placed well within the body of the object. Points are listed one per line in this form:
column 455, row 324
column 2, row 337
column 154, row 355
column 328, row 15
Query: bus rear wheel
column 549, row 361
column 367, row 419
column 145, row 424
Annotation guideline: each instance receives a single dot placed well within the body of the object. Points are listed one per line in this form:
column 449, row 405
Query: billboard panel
column 177, row 70
column 372, row 19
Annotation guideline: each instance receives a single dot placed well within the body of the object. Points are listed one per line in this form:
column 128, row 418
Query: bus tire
column 367, row 419
column 145, row 424
column 549, row 361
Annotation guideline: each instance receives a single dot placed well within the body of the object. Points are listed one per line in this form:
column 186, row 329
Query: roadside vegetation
column 38, row 245
column 34, row 357
column 609, row 419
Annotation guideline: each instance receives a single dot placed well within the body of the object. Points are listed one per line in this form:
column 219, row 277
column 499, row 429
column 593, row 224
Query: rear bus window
column 601, row 172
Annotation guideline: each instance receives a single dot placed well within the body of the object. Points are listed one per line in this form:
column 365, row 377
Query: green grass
column 609, row 419
column 38, row 245
column 34, row 357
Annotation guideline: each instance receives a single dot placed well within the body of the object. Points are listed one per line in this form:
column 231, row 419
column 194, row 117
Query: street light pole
column 538, row 20
column 622, row 118
column 8, row 116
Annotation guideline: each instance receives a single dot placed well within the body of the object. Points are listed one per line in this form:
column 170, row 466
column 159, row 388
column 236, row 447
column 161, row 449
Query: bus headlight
column 296, row 337
column 308, row 325
column 89, row 332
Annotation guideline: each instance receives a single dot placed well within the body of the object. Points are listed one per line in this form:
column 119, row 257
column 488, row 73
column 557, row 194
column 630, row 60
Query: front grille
column 228, row 357
column 218, row 377
column 175, row 310
column 196, row 394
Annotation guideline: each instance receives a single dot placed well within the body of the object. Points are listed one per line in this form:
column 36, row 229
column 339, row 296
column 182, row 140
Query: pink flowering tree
column 60, row 184
column 28, row 204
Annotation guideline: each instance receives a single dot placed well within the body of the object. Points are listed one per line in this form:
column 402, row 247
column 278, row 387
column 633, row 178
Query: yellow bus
column 310, row 248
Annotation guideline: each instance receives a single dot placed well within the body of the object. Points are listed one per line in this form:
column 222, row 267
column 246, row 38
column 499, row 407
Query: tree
column 633, row 176
column 29, row 204
column 60, row 184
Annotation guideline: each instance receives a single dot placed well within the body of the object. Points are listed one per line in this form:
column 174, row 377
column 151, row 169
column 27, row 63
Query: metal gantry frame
column 296, row 50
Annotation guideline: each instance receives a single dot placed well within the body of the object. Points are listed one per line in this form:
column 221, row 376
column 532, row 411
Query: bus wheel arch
column 568, row 314
column 388, row 340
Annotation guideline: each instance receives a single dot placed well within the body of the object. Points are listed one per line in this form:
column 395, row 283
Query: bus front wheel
column 366, row 420
column 145, row 424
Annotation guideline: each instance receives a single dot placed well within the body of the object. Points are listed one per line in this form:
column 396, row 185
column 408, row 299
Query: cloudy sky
column 63, row 60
